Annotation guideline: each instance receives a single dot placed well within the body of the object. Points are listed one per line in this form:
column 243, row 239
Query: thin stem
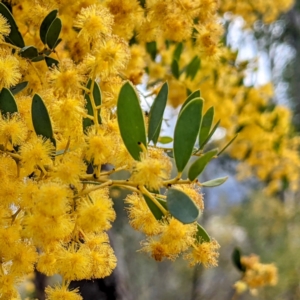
column 154, row 200
column 87, row 191
column 9, row 45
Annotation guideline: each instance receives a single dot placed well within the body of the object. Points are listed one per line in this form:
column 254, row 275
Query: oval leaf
column 98, row 100
column 199, row 165
column 186, row 132
column 29, row 52
column 38, row 58
column 7, row 102
column 53, row 33
column 157, row 111
column 46, row 24
column 207, row 121
column 40, row 119
column 131, row 120
column 175, row 69
column 151, row 48
column 214, row 182
column 19, row 87
column 192, row 96
column 14, row 36
column 193, row 67
column 236, row 258
column 157, row 213
column 165, row 140
column 202, row 235
column 182, row 207
column 210, row 135
column 177, row 52
column 51, row 62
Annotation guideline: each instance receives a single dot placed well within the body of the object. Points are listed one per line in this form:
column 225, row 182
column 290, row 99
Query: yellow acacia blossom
column 94, row 22
column 204, row 253
column 9, row 69
column 140, row 216
column 12, row 130
column 62, row 293
column 95, row 213
column 55, row 205
column 4, row 28
column 151, row 170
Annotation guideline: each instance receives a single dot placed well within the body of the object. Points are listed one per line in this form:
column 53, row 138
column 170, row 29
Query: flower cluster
column 256, row 275
column 59, row 126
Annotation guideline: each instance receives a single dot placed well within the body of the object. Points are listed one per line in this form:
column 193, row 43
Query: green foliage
column 41, row 119
column 207, row 121
column 29, row 52
column 175, row 69
column 46, row 24
column 202, row 235
column 165, row 140
column 192, row 96
column 214, row 182
column 156, row 113
column 193, row 67
column 236, row 259
column 186, row 132
column 15, row 37
column 51, row 62
column 157, row 213
column 199, row 165
column 18, row 87
column 7, row 102
column 131, row 120
column 177, row 52
column 53, row 33
column 151, row 48
column 181, row 206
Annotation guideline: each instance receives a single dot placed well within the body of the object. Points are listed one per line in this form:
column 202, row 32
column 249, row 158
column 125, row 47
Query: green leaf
column 51, row 62
column 193, row 67
column 229, row 143
column 131, row 120
column 175, row 68
column 177, row 52
column 157, row 213
column 14, row 37
column 41, row 119
column 157, row 112
column 210, row 135
column 18, row 87
column 53, row 33
column 186, row 132
column 98, row 100
column 202, row 235
column 207, row 121
column 214, row 182
column 7, row 102
column 46, row 24
column 192, row 96
column 199, row 165
column 38, row 58
column 29, row 52
column 165, row 140
column 181, row 206
column 151, row 48
column 236, row 259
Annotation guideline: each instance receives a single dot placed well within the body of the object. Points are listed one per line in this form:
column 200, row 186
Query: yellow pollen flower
column 9, row 69
column 93, row 22
column 4, row 28
column 62, row 293
column 205, row 253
